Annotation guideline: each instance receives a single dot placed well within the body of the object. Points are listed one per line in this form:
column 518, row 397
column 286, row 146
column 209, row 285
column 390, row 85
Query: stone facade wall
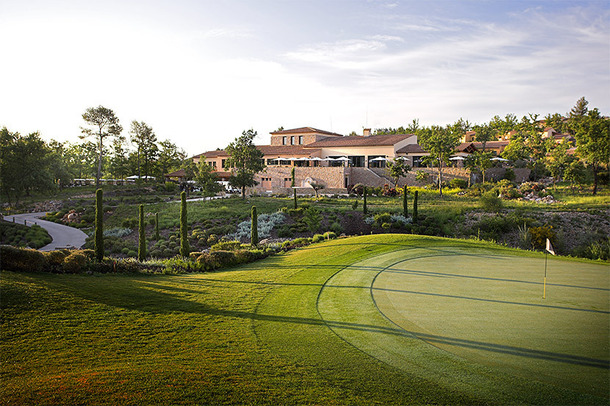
column 366, row 176
column 330, row 177
column 496, row 174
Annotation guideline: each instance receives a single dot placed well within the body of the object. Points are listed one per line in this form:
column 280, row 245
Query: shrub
column 491, row 202
column 595, row 250
column 22, row 259
column 226, row 246
column 540, row 234
column 74, row 263
column 56, row 258
column 458, row 183
column 336, row 228
column 329, row 235
column 317, row 238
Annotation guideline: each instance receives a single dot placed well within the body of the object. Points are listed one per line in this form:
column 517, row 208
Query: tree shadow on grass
column 135, row 296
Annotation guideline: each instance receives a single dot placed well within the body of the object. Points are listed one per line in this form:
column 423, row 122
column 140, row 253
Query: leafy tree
column 81, row 159
column 516, row 150
column 207, row 179
column 119, row 160
column 558, row 160
column 440, row 142
column 484, row 134
column 503, row 126
column 397, row 169
column 557, row 122
column 575, row 173
column 143, row 136
column 25, row 164
column 593, row 141
column 105, row 124
column 482, row 161
column 245, row 160
column 170, row 158
column 58, row 164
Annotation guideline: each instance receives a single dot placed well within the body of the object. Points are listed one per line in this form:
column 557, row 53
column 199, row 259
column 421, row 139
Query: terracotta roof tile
column 411, row 149
column 360, row 141
column 305, row 130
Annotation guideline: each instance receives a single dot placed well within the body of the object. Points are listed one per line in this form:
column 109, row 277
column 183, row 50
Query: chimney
column 366, row 132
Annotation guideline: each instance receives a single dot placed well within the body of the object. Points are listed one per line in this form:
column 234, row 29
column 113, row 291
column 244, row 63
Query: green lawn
column 318, row 325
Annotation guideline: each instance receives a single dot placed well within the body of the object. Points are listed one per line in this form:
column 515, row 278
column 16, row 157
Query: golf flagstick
column 549, row 248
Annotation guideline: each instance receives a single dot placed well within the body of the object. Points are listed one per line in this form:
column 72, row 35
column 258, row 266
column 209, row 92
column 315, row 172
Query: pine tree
column 141, row 236
column 184, row 241
column 254, row 228
column 99, row 226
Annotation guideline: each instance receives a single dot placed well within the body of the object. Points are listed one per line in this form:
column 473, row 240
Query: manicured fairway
column 390, row 319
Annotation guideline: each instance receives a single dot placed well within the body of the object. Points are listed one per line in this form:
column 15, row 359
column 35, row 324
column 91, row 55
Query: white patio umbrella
column 499, row 159
column 342, row 158
column 316, row 158
column 379, row 158
column 457, row 158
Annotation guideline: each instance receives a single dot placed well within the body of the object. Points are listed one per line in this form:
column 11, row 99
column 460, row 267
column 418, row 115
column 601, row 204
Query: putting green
column 475, row 319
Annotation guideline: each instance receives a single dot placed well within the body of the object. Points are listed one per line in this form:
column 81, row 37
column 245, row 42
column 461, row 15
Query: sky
column 201, row 72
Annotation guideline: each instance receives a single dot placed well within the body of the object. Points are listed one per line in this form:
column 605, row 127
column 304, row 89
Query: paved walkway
column 63, row 236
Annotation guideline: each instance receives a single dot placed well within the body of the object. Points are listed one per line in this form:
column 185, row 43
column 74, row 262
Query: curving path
column 63, row 236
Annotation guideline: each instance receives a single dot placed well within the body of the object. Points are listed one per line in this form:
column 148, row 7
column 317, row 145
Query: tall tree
column 245, row 160
column 397, row 169
column 25, row 165
column 206, row 179
column 580, row 109
column 593, row 141
column 145, row 140
column 104, row 125
column 119, row 159
column 440, row 142
column 169, row 159
column 484, row 134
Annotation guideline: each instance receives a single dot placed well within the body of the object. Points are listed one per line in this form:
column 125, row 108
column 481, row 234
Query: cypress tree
column 364, row 208
column 156, row 226
column 405, row 206
column 254, row 228
column 415, row 207
column 141, row 236
column 293, row 184
column 98, row 242
column 184, row 241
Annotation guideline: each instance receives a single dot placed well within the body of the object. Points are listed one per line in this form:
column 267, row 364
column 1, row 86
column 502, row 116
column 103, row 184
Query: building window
column 224, row 163
column 292, row 140
column 284, row 140
column 300, row 140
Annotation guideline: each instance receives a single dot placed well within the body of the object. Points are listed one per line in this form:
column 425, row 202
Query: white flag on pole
column 549, row 247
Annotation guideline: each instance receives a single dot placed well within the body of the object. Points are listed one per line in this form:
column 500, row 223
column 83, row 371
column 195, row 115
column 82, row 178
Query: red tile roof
column 360, row 141
column 305, row 130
